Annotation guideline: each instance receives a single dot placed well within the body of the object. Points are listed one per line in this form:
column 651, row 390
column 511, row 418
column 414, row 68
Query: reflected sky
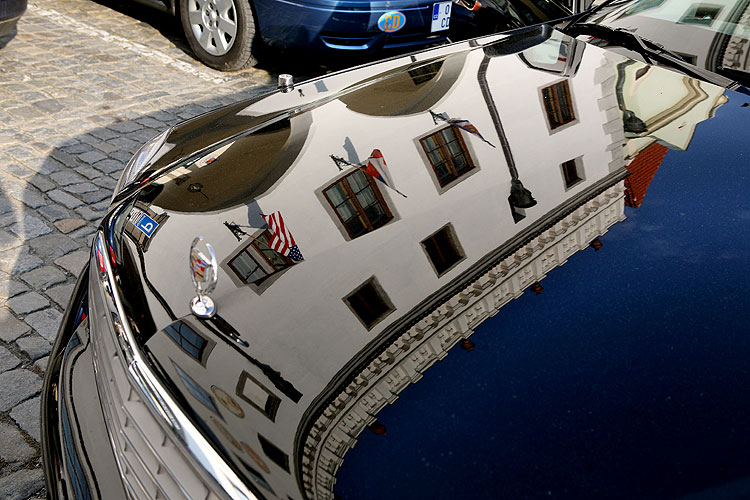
column 624, row 379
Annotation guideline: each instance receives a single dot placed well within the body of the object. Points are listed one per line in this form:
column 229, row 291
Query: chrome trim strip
column 204, row 458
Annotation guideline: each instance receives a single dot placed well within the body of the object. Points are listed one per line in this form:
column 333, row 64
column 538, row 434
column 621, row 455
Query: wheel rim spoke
column 228, row 27
column 224, row 6
column 195, row 17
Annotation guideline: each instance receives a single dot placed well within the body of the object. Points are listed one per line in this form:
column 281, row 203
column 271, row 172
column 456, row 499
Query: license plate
column 441, row 16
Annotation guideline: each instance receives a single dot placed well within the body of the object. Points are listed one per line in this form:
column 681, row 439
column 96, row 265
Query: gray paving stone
column 45, row 166
column 64, row 158
column 68, row 225
column 44, row 277
column 98, row 196
column 64, row 198
column 54, row 212
column 27, row 416
column 27, row 302
column 125, row 127
column 5, row 205
column 110, row 166
column 66, row 177
column 46, row 322
column 18, row 385
column 19, row 171
column 88, row 171
column 91, row 157
column 10, row 288
column 60, row 294
column 8, row 240
column 77, row 148
column 18, row 261
column 49, row 106
column 74, row 261
column 53, row 245
column 89, row 213
column 34, row 346
column 105, row 182
column 41, row 364
column 13, row 446
column 10, row 327
column 81, row 188
column 30, row 227
column 8, row 360
column 41, row 182
column 21, row 484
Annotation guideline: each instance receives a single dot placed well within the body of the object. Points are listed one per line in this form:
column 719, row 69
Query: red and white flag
column 378, row 169
column 281, row 239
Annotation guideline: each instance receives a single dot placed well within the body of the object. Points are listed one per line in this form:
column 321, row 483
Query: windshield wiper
column 651, row 52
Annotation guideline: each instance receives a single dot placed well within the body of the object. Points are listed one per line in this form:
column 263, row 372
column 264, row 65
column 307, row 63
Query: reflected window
column 572, row 173
column 274, row 453
column 701, row 14
column 558, row 104
column 448, row 155
column 189, row 340
column 443, row 250
column 369, row 303
column 358, row 203
column 257, row 395
column 425, row 73
column 257, row 261
column 196, row 390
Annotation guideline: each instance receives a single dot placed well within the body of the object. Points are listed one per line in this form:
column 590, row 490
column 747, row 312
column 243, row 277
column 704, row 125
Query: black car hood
column 304, row 354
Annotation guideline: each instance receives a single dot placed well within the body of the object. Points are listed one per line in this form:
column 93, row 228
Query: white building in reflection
column 389, row 283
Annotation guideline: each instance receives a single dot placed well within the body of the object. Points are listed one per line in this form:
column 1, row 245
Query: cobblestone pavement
column 82, row 86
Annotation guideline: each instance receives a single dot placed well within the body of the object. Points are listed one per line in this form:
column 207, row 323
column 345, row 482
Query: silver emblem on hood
column 203, row 272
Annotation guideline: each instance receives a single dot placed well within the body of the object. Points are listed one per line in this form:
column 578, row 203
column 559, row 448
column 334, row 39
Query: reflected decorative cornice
column 404, row 360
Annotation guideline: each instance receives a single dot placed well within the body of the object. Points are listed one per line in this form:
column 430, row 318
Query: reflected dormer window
column 558, row 104
column 358, row 203
column 448, row 156
column 257, row 261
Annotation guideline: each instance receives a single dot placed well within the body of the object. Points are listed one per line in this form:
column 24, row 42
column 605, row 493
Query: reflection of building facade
column 302, row 355
column 405, row 359
column 713, row 35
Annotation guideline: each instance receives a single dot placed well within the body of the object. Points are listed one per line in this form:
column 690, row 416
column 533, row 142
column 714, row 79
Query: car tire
column 221, row 33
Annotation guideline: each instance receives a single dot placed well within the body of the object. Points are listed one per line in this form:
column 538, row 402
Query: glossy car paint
column 282, row 382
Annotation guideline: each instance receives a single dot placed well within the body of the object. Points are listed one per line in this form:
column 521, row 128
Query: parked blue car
column 225, row 34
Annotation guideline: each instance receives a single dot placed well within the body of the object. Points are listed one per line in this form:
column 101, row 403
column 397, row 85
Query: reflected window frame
column 204, row 350
column 558, row 105
column 266, row 263
column 452, row 257
column 448, row 160
column 270, row 407
column 355, row 205
column 572, row 172
column 690, row 16
column 386, row 305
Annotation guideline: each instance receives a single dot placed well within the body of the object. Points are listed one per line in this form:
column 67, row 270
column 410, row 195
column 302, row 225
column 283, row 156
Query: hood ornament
column 204, row 273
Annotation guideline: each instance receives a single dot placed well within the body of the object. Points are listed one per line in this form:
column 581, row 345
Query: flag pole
column 338, row 161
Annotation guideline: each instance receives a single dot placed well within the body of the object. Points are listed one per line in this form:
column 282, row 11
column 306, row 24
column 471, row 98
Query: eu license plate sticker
column 441, row 16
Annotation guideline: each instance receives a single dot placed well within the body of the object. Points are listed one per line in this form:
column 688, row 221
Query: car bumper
column 344, row 27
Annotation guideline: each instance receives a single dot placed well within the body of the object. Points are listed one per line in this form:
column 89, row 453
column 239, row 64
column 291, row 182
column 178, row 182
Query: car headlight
column 147, row 154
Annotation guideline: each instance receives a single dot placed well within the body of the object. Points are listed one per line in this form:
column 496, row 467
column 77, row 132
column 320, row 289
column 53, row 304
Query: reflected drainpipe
column 520, row 197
